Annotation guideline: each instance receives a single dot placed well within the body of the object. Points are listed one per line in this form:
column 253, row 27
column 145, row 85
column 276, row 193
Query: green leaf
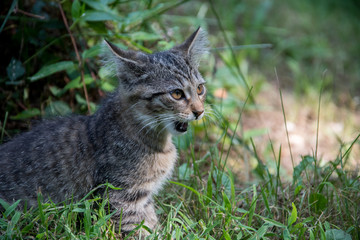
column 226, row 235
column 15, row 218
column 187, row 220
column 305, row 162
column 298, row 189
column 207, row 229
column 253, row 205
column 318, row 202
column 185, row 172
column 87, row 219
column 275, row 223
column 83, row 102
column 57, row 92
column 25, row 230
column 100, row 16
column 11, row 9
column 78, row 210
column 15, row 69
column 57, row 108
column 286, row 234
column 232, row 185
column 337, row 234
column 51, row 69
column 77, row 83
column 142, row 36
column 76, row 9
column 73, row 84
column 10, row 209
column 40, row 235
column 29, row 113
column 98, row 27
column 293, row 215
column 107, row 87
column 98, row 5
column 209, row 189
column 327, row 225
column 4, row 204
column 227, row 203
column 189, row 188
column 312, row 236
column 265, row 198
column 322, row 232
column 225, row 181
column 261, row 232
column 109, row 185
column 92, row 52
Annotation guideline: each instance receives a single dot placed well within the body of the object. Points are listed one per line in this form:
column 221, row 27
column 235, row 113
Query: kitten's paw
column 140, row 234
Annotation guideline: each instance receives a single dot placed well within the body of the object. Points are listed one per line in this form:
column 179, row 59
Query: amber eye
column 177, row 94
column 200, row 89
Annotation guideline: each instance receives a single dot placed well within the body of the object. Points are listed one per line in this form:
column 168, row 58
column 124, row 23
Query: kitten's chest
column 156, row 168
column 163, row 163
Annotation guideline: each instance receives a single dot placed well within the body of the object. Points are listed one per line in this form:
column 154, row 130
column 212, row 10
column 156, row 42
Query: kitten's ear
column 195, row 46
column 134, row 57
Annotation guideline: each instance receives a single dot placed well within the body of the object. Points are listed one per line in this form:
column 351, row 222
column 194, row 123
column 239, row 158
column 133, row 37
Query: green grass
column 206, row 201
column 322, row 202
column 207, row 198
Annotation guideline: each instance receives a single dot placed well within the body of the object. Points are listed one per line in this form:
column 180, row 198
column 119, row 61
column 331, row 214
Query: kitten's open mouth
column 181, row 126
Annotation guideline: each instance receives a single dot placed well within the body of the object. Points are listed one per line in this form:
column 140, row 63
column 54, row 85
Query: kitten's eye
column 200, row 89
column 177, row 94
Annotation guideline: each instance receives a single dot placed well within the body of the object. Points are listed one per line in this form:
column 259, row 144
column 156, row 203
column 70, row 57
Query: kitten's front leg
column 133, row 213
column 131, row 219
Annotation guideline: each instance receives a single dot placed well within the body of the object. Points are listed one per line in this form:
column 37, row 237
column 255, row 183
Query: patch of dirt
column 337, row 125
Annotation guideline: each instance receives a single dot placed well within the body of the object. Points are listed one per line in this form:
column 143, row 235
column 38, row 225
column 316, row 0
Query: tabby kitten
column 127, row 142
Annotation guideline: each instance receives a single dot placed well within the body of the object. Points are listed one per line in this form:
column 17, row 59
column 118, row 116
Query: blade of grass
column 236, row 126
column 11, row 9
column 318, row 116
column 351, row 145
column 317, row 129
column 253, row 206
column 278, row 165
column 237, row 65
column 284, row 115
column 189, row 188
column 11, row 208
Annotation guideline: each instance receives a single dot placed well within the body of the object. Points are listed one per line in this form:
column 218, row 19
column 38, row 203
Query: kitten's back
column 49, row 158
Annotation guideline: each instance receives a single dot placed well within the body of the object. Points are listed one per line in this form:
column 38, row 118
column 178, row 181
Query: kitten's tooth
column 184, row 126
column 181, row 126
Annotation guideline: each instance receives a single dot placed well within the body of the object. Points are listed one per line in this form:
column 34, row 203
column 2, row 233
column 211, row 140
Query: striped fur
column 127, row 142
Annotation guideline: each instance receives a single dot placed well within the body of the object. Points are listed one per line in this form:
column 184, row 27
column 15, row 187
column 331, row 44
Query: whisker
column 156, row 122
column 132, row 106
column 164, row 128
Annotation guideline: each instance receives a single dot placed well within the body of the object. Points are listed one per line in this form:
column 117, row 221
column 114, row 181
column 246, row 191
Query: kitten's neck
column 156, row 138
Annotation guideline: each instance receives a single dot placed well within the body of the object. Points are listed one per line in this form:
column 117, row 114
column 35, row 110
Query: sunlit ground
column 338, row 126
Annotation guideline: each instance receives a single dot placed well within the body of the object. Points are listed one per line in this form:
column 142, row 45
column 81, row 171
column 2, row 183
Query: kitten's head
column 164, row 89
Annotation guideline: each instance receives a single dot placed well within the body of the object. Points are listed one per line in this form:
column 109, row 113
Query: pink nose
column 197, row 113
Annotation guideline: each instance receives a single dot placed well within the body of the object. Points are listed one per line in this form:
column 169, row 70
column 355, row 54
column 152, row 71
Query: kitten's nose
column 197, row 113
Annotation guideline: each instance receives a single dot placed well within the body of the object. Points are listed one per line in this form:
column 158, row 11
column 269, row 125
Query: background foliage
column 51, row 65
